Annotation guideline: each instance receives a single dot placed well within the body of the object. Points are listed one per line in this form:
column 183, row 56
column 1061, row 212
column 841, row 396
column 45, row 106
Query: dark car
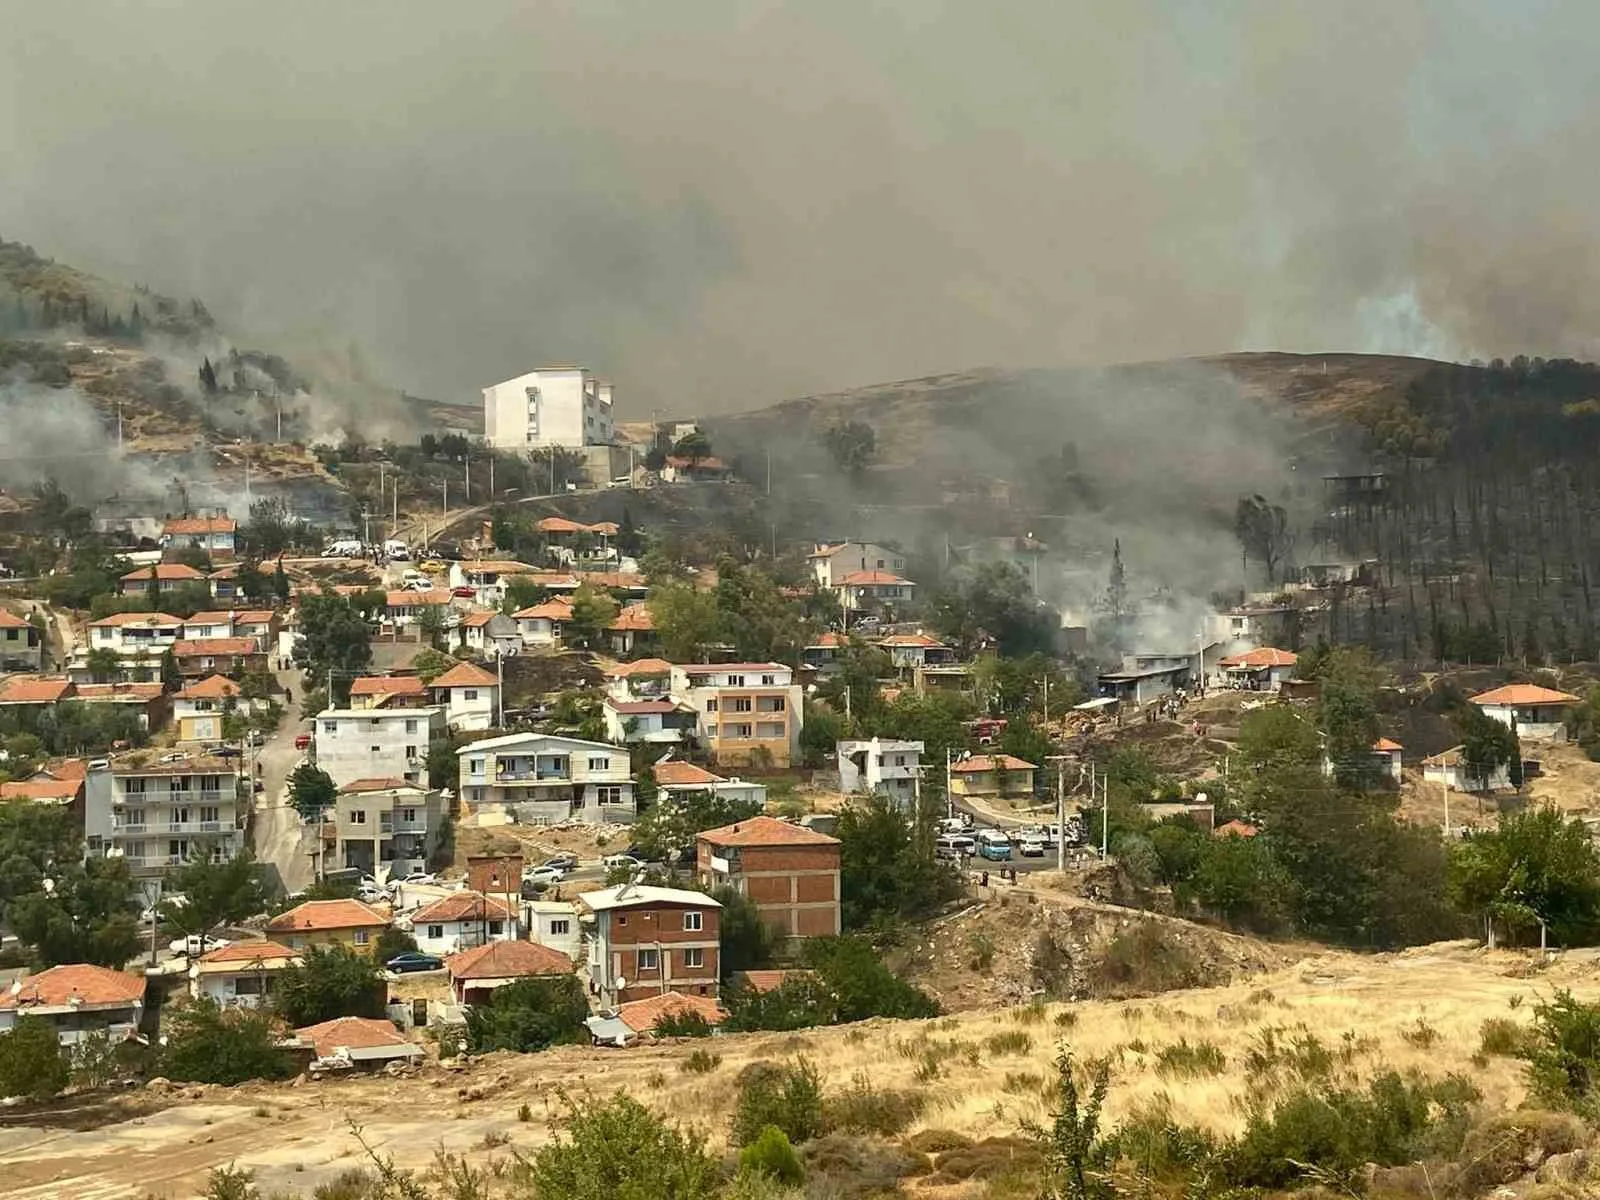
column 414, row 960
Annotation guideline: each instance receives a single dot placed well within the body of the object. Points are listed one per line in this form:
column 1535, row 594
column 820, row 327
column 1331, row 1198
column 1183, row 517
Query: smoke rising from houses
column 727, row 203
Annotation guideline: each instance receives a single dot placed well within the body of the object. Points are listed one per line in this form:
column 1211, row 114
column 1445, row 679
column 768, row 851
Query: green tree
column 391, row 942
column 688, row 621
column 1487, row 745
column 861, row 985
column 332, row 981
column 1264, row 534
column 671, row 824
column 215, row 893
column 1072, row 1147
column 694, row 446
column 592, row 610
column 994, row 600
column 443, row 767
column 31, row 1061
column 746, row 937
column 762, row 623
column 334, row 638
column 888, row 872
column 1278, row 755
column 104, row 664
column 530, row 1014
column 1238, row 880
column 1347, row 713
column 522, row 592
column 1534, row 867
column 430, row 624
column 616, row 1149
column 852, row 445
column 203, row 1043
column 82, row 916
column 311, row 791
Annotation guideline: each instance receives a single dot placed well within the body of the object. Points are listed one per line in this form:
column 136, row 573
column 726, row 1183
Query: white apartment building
column 553, row 406
column 882, row 765
column 387, row 823
column 376, row 743
column 160, row 812
column 543, row 779
column 138, row 640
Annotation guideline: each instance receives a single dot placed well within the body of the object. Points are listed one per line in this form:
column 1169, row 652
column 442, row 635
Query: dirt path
column 279, row 834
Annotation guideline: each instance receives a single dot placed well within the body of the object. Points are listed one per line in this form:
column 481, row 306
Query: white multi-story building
column 745, row 712
column 386, row 823
column 881, row 765
column 162, row 812
column 544, row 779
column 553, row 406
column 376, row 743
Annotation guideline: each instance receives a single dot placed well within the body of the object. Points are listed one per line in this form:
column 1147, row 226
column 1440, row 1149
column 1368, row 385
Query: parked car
column 196, row 944
column 562, row 862
column 420, row 877
column 414, row 960
column 612, row 862
column 1031, row 845
column 464, row 593
column 302, row 741
column 547, row 876
column 371, row 893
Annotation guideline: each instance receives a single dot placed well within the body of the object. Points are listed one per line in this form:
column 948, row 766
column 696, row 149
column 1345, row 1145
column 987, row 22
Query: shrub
column 1023, row 1083
column 525, row 1112
column 992, row 1158
column 683, row 1023
column 1562, row 1050
column 617, row 1147
column 854, row 974
column 353, row 1184
column 788, row 1097
column 1279, row 1049
column 31, row 1061
column 771, row 1154
column 1502, row 1148
column 230, row 1183
column 1185, row 1059
column 1144, row 960
column 1503, row 1036
column 332, row 981
column 980, row 952
column 1011, row 1041
column 1421, row 1035
column 842, row 1166
column 529, row 1014
column 205, row 1044
column 701, row 1062
column 862, row 1108
column 1029, row 1014
column 936, row 1141
column 1158, row 1146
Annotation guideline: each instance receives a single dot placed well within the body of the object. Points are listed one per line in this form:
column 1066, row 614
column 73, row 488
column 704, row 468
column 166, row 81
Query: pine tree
column 208, row 377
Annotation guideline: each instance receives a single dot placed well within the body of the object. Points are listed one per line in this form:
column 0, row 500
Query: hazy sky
column 720, row 204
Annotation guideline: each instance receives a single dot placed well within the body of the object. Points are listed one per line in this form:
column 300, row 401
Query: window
column 330, row 726
column 411, row 725
column 694, row 957
column 133, row 816
column 497, row 928
column 358, row 816
column 361, row 937
column 711, row 706
column 735, row 680
column 475, row 766
column 693, row 920
column 250, row 985
column 769, row 680
column 210, row 813
column 608, row 795
column 133, row 787
column 739, row 731
column 411, row 751
column 435, row 932
column 375, row 749
column 742, row 704
column 408, row 814
column 649, row 959
column 469, row 693
column 601, row 763
column 899, row 760
column 560, row 928
column 622, row 918
column 880, row 564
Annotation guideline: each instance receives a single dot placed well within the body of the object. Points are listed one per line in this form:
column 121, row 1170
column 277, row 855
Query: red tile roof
column 1523, row 695
column 1387, row 745
column 986, row 762
column 481, row 616
column 507, row 960
column 254, row 616
column 465, row 675
column 34, row 689
column 560, row 525
column 766, row 981
column 142, row 692
column 62, row 790
column 874, row 579
column 1260, row 658
column 644, row 666
column 251, row 951
column 618, row 580
column 766, row 831
column 388, row 685
column 195, row 647
column 320, row 916
column 642, row 1016
column 639, row 708
column 380, row 785
column 463, row 906
column 673, row 773
column 200, row 525
column 153, row 620
column 550, row 610
column 831, row 640
column 910, row 640
column 212, row 687
column 210, row 618
column 633, row 618
column 10, row 620
column 58, row 985
column 769, row 668
column 168, row 571
column 351, row 1033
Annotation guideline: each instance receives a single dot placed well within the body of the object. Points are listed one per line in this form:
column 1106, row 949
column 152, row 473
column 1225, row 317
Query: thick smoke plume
column 729, row 202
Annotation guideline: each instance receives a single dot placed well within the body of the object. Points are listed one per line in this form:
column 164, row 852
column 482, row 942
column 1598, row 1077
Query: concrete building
column 554, row 924
column 553, row 406
column 651, row 940
column 791, row 872
column 885, row 767
column 386, row 823
column 543, row 779
column 376, row 743
column 463, row 920
column 746, row 712
column 161, row 813
column 78, row 1000
column 242, row 974
column 161, row 577
column 469, row 695
column 1449, row 769
column 1263, row 669
column 21, row 647
column 1536, row 713
column 200, row 707
column 215, row 535
column 541, row 624
column 832, row 561
column 659, row 722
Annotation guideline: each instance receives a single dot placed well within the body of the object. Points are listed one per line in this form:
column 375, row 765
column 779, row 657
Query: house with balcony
column 241, row 974
column 329, row 923
column 910, row 651
column 663, row 721
column 215, row 624
column 469, row 695
column 137, row 639
column 214, row 535
column 650, row 940
column 376, row 743
column 789, row 871
column 822, row 655
column 642, row 679
column 200, row 657
column 161, row 577
column 156, row 813
column 388, row 691
column 745, row 712
column 462, row 921
column 386, row 824
column 541, row 624
column 871, row 591
column 543, row 779
column 882, row 766
column 1264, row 669
column 78, row 1001
column 403, row 608
column 1536, row 713
column 199, row 708
column 21, row 646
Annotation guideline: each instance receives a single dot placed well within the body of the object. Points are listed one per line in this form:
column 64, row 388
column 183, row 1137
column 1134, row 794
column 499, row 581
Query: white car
column 612, row 862
column 196, row 944
column 420, row 877
column 548, row 876
column 1031, row 845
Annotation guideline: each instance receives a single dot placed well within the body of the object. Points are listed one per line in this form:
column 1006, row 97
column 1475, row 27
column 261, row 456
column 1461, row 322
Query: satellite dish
column 622, row 982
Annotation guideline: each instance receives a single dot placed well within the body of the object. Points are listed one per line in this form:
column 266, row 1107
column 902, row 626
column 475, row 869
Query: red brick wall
column 789, row 858
column 765, row 889
column 815, row 922
column 816, row 887
column 663, row 923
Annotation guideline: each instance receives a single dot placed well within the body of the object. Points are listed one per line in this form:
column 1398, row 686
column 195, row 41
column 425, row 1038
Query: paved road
column 280, row 835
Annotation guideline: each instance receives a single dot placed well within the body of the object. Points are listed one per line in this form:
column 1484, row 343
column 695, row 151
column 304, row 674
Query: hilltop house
column 633, row 630
column 469, row 695
column 376, row 743
column 200, row 657
column 1449, row 768
column 21, row 647
column 676, row 778
column 831, row 561
column 1536, row 713
column 992, row 777
column 489, row 634
column 541, row 624
column 214, row 535
column 745, row 711
column 200, row 707
column 789, row 871
column 476, row 973
column 463, row 920
column 662, row 721
column 915, row 650
column 388, row 691
column 329, row 923
column 404, row 608
column 862, row 590
column 241, row 974
column 1263, row 669
column 161, row 577
column 156, row 815
column 78, row 1000
column 386, row 824
column 885, row 767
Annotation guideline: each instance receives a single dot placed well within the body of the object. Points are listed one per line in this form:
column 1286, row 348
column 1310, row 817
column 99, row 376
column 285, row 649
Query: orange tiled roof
column 169, row 571
column 186, row 647
column 766, row 981
column 550, row 610
column 619, row 580
column 463, row 906
column 464, row 675
column 1235, row 829
column 674, row 773
column 1523, row 694
column 116, row 691
column 320, row 916
column 34, row 689
column 352, row 1033
column 560, row 525
column 58, row 985
column 200, row 525
column 1387, row 746
column 10, row 620
column 253, row 950
column 986, row 762
column 910, row 640
column 63, row 790
column 210, row 618
column 405, row 599
column 212, row 687
column 766, row 831
column 644, row 666
column 1261, row 657
column 642, row 1016
column 388, row 685
column 507, row 960
column 634, row 618
column 254, row 616
column 161, row 620
column 874, row 579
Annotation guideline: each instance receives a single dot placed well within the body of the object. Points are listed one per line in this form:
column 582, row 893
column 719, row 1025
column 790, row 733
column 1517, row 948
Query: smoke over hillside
column 726, row 203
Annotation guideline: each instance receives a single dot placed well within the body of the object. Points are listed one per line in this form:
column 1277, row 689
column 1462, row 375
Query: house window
column 436, row 932
column 739, row 731
column 769, row 680
column 497, row 928
column 330, row 727
column 622, row 918
column 475, row 766
column 361, row 937
column 469, row 693
column 408, row 814
column 711, row 706
column 694, row 957
column 358, row 816
column 411, row 751
column 608, row 795
column 693, row 920
column 375, row 749
column 649, row 960
column 209, row 813
column 742, row 704
column 133, row 787
column 560, row 928
column 899, row 760
column 600, row 764
column 411, row 726
column 735, row 680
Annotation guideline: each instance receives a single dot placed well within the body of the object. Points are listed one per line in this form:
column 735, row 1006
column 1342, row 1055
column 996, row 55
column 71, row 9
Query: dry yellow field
column 295, row 1136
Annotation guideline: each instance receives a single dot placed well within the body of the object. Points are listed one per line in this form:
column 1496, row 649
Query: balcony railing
column 200, row 827
column 533, row 775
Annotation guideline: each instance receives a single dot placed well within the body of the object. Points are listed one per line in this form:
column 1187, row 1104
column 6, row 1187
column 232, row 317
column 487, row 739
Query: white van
column 343, row 548
column 397, row 550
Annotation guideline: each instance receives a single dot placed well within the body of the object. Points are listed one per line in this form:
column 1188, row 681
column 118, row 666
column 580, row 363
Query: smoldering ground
column 728, row 202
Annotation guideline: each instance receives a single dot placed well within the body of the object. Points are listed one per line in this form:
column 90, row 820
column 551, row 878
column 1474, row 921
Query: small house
column 674, row 777
column 1536, row 713
column 462, row 920
column 78, row 1000
column 1263, row 669
column 214, row 535
column 200, row 707
column 633, row 630
column 912, row 650
column 541, row 624
column 476, row 973
column 662, row 721
column 992, row 777
column 161, row 577
column 388, row 691
column 241, row 974
column 554, row 924
column 357, row 1042
column 21, row 647
column 470, row 697
column 329, row 923
column 489, row 634
column 1449, row 769
column 650, row 940
column 885, row 767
